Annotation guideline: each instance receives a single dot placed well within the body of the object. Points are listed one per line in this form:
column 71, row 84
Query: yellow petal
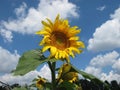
column 71, row 54
column 50, row 21
column 48, row 29
column 57, row 18
column 45, row 48
column 74, row 38
column 42, row 42
column 43, row 32
column 46, row 24
column 56, row 55
column 65, row 22
column 38, row 32
column 73, row 32
column 56, row 22
column 60, row 54
column 67, row 58
column 74, row 49
column 63, row 54
column 53, row 51
column 81, row 44
column 75, row 27
column 45, row 40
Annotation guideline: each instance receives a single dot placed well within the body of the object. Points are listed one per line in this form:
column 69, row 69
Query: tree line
column 84, row 83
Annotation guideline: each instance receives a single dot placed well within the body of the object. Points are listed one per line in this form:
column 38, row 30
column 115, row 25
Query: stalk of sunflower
column 60, row 39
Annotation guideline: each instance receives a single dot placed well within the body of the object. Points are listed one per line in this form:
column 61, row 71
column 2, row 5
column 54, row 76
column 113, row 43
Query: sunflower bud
column 66, row 68
column 70, row 76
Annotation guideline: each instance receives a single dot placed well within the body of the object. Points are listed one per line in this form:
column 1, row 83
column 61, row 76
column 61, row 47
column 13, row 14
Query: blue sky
column 99, row 21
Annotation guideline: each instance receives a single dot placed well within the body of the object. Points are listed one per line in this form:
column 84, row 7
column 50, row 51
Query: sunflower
column 60, row 39
column 40, row 83
column 66, row 73
column 70, row 77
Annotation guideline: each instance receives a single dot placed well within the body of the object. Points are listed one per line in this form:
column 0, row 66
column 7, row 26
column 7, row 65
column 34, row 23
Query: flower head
column 60, row 39
column 66, row 73
column 70, row 76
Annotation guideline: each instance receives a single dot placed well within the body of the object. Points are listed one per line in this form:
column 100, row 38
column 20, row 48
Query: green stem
column 52, row 66
column 53, row 75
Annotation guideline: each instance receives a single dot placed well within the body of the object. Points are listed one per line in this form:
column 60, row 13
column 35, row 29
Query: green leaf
column 48, row 86
column 90, row 77
column 67, row 86
column 20, row 88
column 29, row 61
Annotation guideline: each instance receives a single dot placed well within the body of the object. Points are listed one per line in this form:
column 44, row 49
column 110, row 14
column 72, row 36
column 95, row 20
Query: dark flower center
column 59, row 40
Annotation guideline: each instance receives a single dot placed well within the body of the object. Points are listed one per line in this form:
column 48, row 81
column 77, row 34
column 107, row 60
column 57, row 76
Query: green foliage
column 90, row 77
column 20, row 88
column 29, row 61
column 48, row 86
column 67, row 86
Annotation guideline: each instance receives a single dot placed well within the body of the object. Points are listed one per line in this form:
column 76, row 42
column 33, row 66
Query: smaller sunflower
column 70, row 77
column 66, row 73
column 60, row 39
column 40, row 83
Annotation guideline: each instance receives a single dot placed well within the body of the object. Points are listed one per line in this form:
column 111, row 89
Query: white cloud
column 93, row 70
column 27, row 79
column 28, row 20
column 104, row 60
column 45, row 72
column 116, row 14
column 111, row 76
column 8, row 60
column 21, row 11
column 101, row 8
column 101, row 62
column 116, row 66
column 7, row 35
column 107, row 36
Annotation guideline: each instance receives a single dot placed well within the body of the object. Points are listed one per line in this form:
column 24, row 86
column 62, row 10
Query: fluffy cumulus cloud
column 28, row 20
column 110, row 76
column 104, row 60
column 8, row 60
column 93, row 70
column 7, row 35
column 107, row 36
column 116, row 66
column 26, row 79
column 100, row 62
